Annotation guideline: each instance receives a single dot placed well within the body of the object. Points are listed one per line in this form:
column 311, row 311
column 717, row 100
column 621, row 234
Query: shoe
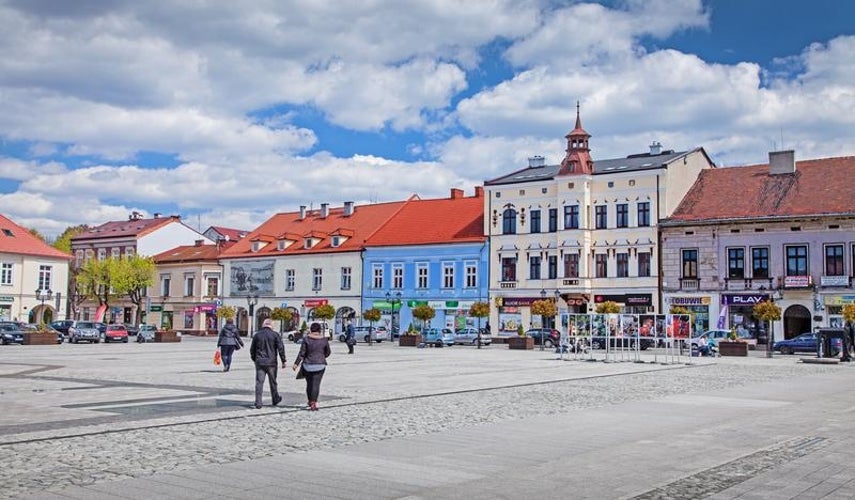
column 257, row 407
column 277, row 401
column 313, row 406
column 225, row 369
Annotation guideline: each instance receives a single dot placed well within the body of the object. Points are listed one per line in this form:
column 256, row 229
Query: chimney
column 479, row 191
column 325, row 210
column 157, row 215
column 456, row 193
column 782, row 162
column 536, row 161
column 348, row 208
column 302, row 212
column 655, row 148
column 198, row 243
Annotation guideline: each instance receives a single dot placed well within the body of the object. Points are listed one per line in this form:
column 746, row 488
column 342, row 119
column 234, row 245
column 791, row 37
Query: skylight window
column 8, row 232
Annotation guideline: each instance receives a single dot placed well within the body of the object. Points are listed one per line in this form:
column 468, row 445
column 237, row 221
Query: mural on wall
column 252, row 278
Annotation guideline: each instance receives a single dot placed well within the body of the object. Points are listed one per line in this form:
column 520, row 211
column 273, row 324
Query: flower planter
column 409, row 340
column 733, row 348
column 166, row 336
column 39, row 338
column 526, row 343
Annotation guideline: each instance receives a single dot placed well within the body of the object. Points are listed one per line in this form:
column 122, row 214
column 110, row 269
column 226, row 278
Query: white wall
column 169, row 236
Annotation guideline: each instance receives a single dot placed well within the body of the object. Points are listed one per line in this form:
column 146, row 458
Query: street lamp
column 43, row 294
column 394, row 302
column 770, row 338
column 251, row 301
column 542, row 321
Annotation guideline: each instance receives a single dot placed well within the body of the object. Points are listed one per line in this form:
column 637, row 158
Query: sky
column 228, row 112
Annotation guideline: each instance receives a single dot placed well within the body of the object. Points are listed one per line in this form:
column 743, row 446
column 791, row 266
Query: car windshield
column 115, row 327
column 84, row 324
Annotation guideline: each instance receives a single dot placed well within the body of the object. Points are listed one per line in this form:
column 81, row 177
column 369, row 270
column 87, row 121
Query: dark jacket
column 265, row 345
column 229, row 335
column 314, row 351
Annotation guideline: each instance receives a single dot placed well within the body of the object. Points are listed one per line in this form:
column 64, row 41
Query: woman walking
column 312, row 361
column 229, row 341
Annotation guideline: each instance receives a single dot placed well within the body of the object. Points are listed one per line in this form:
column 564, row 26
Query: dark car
column 548, row 337
column 132, row 330
column 805, row 342
column 12, row 332
column 62, row 327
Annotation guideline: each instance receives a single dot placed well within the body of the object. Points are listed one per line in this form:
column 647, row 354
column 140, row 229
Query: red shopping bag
column 217, row 358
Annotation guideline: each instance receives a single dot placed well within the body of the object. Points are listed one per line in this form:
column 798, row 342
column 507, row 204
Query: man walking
column 349, row 337
column 266, row 344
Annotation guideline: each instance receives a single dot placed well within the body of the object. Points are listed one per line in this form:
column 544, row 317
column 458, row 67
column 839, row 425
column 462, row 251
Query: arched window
column 509, row 221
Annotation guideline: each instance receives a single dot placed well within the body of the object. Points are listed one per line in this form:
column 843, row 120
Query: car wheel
column 596, row 344
column 438, row 344
column 125, row 341
column 548, row 344
column 786, row 350
column 98, row 341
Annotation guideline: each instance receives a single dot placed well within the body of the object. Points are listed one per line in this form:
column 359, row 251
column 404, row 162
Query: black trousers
column 226, row 351
column 268, row 372
column 313, row 384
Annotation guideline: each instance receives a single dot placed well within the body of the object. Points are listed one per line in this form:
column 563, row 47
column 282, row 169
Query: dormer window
column 257, row 245
column 336, row 241
column 281, row 245
column 307, row 243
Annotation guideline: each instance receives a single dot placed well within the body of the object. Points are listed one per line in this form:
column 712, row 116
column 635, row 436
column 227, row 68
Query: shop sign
column 411, row 303
column 630, row 299
column 6, row 298
column 797, row 281
column 834, row 280
column 315, row 302
column 742, row 299
column 154, row 308
column 515, row 301
column 689, row 301
column 204, row 308
column 839, row 300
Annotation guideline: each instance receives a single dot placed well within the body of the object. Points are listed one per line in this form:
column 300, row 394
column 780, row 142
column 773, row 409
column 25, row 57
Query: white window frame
column 45, row 274
column 290, row 279
column 7, row 270
column 346, row 278
column 471, row 271
column 115, row 253
column 216, row 283
column 377, row 276
column 448, row 275
column 165, row 284
column 397, row 276
column 189, row 285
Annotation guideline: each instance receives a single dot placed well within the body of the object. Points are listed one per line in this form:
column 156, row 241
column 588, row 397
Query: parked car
column 62, row 327
column 719, row 335
column 438, row 336
column 469, row 336
column 549, row 337
column 805, row 342
column 116, row 333
column 83, row 331
column 132, row 330
column 145, row 333
column 12, row 332
column 361, row 334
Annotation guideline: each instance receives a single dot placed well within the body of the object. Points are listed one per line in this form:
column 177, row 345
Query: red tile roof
column 456, row 219
column 365, row 220
column 818, row 187
column 192, row 253
column 123, row 228
column 229, row 233
column 17, row 239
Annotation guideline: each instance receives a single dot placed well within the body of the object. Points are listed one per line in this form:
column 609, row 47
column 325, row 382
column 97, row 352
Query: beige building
column 582, row 232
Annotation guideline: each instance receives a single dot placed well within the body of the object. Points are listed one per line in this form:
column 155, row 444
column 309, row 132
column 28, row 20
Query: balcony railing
column 748, row 283
column 689, row 283
column 507, row 284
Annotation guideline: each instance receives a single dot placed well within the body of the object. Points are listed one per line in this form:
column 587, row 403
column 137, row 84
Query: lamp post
column 542, row 321
column 43, row 294
column 770, row 339
column 395, row 303
column 251, row 301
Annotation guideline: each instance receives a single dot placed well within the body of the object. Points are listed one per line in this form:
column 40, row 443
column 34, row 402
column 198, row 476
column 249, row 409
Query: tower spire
column 578, row 157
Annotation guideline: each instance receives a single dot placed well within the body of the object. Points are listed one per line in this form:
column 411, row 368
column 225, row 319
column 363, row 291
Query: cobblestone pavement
column 384, row 394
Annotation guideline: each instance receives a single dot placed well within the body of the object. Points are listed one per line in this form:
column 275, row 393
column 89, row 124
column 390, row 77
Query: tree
column 767, row 311
column 479, row 310
column 424, row 313
column 131, row 276
column 372, row 315
column 77, row 293
column 282, row 315
column 607, row 307
column 325, row 313
column 63, row 241
column 226, row 312
column 35, row 232
column 93, row 279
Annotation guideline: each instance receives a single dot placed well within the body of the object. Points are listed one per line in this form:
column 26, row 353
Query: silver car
column 361, row 334
column 469, row 336
column 83, row 331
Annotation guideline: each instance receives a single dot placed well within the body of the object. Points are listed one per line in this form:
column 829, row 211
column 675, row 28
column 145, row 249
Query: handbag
column 301, row 373
column 217, row 357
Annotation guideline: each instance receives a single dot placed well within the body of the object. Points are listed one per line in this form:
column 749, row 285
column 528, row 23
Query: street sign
column 218, row 302
column 284, row 305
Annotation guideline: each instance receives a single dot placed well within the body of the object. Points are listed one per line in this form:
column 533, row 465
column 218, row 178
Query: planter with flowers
column 521, row 341
column 42, row 336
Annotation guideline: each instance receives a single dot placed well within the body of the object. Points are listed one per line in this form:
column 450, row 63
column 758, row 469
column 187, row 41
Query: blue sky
column 227, row 112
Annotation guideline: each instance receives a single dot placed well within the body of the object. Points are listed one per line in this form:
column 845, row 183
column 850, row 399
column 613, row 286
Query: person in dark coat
column 312, row 360
column 350, row 337
column 229, row 341
column 265, row 346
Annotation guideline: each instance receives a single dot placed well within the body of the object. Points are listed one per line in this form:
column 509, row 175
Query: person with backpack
column 229, row 341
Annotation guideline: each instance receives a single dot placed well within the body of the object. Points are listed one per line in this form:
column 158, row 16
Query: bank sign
column 744, row 299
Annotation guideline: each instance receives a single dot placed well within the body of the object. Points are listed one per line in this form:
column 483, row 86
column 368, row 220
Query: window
column 552, row 271
column 622, row 265
column 622, row 215
column 290, row 279
column 535, row 221
column 45, row 277
column 534, row 267
column 189, row 285
column 102, row 253
column 509, row 221
column 345, row 278
column 213, row 286
column 422, row 275
column 834, row 260
column 115, row 253
column 471, row 269
column 377, row 273
column 6, row 273
column 797, row 260
column 644, row 264
column 760, row 262
column 129, row 252
column 690, row 263
column 165, row 281
column 601, row 265
column 602, row 217
column 553, row 220
column 571, row 217
column 571, row 265
column 397, row 276
column 8, row 232
column 509, row 268
column 644, row 214
column 317, row 278
column 735, row 262
column 448, row 275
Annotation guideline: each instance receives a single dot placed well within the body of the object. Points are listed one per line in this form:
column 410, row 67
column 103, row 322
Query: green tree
column 371, row 315
column 63, row 241
column 282, row 315
column 131, row 276
column 769, row 312
column 325, row 313
column 93, row 279
column 226, row 312
column 77, row 293
column 608, row 307
column 35, row 232
column 424, row 313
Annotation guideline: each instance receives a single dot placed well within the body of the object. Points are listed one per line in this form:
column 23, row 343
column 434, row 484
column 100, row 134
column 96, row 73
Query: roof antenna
column 782, row 138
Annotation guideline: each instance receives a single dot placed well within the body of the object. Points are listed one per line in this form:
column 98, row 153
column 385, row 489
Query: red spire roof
column 578, row 159
column 15, row 239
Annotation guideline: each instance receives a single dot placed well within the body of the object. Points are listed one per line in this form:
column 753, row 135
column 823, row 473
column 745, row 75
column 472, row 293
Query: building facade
column 783, row 231
column 432, row 252
column 582, row 232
